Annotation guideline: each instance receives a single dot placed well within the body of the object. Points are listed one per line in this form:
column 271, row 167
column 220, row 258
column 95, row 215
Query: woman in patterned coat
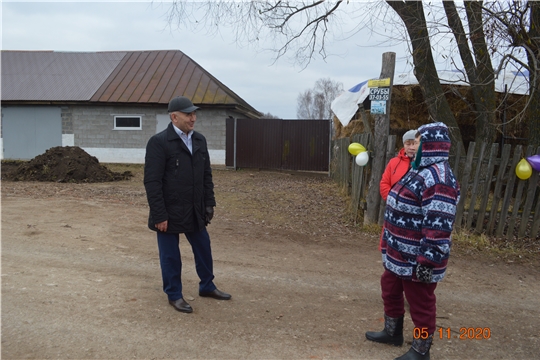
column 419, row 218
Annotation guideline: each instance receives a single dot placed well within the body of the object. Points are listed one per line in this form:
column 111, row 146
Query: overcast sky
column 142, row 25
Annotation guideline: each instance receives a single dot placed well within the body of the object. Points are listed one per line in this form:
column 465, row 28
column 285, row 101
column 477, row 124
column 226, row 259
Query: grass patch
column 372, row 229
column 471, row 241
column 513, row 250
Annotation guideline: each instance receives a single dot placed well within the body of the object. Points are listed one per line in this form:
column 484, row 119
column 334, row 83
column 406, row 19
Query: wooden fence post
column 359, row 174
column 509, row 183
column 474, row 189
column 487, row 187
column 380, row 141
column 339, row 168
column 509, row 190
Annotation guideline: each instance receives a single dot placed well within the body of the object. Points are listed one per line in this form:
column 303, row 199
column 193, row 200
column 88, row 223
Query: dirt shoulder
column 80, row 279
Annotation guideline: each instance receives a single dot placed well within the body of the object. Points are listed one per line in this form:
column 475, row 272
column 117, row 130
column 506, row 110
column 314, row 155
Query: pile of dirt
column 64, row 164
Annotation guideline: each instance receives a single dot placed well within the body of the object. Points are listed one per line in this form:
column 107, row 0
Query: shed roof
column 136, row 77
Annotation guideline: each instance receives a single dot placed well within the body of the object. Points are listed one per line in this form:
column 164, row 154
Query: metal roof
column 55, row 76
column 137, row 77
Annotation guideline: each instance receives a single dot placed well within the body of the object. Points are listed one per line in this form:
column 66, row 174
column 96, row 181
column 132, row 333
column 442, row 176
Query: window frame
column 115, row 127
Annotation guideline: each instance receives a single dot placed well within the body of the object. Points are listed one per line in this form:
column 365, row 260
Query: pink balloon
column 534, row 161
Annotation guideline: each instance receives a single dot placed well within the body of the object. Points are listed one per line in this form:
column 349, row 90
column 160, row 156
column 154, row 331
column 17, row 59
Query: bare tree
column 518, row 23
column 497, row 32
column 301, row 29
column 477, row 64
column 412, row 14
column 315, row 103
column 297, row 28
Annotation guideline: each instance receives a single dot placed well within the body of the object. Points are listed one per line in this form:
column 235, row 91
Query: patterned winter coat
column 420, row 210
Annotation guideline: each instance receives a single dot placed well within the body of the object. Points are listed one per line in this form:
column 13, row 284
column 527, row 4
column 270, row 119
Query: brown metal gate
column 278, row 144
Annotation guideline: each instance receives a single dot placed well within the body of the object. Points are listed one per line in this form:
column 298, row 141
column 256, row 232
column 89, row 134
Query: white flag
column 346, row 104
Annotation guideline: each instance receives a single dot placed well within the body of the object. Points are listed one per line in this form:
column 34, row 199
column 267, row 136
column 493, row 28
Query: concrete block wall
column 92, row 127
column 211, row 123
column 67, row 120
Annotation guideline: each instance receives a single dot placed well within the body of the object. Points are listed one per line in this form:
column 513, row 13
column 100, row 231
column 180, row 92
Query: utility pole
column 380, row 96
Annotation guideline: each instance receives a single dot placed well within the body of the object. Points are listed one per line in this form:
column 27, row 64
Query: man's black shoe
column 216, row 294
column 181, row 305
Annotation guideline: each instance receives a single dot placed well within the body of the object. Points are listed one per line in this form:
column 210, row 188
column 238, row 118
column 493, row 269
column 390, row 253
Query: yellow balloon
column 356, row 148
column 523, row 169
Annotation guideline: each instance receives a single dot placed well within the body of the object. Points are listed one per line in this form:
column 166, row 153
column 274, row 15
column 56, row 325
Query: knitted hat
column 409, row 135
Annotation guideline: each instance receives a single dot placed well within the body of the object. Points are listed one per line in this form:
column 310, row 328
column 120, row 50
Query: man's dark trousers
column 171, row 263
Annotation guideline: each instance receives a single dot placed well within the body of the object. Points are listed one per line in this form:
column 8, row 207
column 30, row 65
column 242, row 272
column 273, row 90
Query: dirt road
column 81, row 280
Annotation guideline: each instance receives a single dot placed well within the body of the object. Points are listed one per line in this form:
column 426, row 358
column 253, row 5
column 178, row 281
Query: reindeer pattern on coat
column 420, row 210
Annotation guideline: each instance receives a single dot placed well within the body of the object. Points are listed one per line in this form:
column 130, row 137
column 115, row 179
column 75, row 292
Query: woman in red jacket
column 398, row 166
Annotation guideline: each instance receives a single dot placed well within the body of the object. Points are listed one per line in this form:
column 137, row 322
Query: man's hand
column 162, row 226
column 209, row 214
column 424, row 273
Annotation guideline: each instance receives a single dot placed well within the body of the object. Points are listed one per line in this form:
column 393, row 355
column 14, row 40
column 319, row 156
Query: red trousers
column 420, row 296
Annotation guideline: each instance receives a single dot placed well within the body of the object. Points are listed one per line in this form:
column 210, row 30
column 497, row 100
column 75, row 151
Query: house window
column 128, row 122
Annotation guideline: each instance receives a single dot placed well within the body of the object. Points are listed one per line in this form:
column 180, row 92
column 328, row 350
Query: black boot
column 419, row 350
column 391, row 334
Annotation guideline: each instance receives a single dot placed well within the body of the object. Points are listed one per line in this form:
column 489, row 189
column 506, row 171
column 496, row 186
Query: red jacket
column 397, row 167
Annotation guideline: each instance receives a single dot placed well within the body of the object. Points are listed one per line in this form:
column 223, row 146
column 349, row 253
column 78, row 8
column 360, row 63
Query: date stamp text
column 465, row 333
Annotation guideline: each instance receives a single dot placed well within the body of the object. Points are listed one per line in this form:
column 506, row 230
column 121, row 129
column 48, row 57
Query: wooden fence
column 494, row 201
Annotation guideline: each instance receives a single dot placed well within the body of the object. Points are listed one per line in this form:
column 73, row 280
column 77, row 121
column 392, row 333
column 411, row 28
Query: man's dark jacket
column 178, row 184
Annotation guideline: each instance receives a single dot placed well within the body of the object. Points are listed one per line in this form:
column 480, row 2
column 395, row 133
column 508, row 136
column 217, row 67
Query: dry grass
column 468, row 242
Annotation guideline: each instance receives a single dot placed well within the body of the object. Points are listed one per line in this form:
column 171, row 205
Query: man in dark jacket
column 180, row 192
column 418, row 223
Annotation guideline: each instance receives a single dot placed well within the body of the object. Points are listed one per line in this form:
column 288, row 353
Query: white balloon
column 362, row 158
